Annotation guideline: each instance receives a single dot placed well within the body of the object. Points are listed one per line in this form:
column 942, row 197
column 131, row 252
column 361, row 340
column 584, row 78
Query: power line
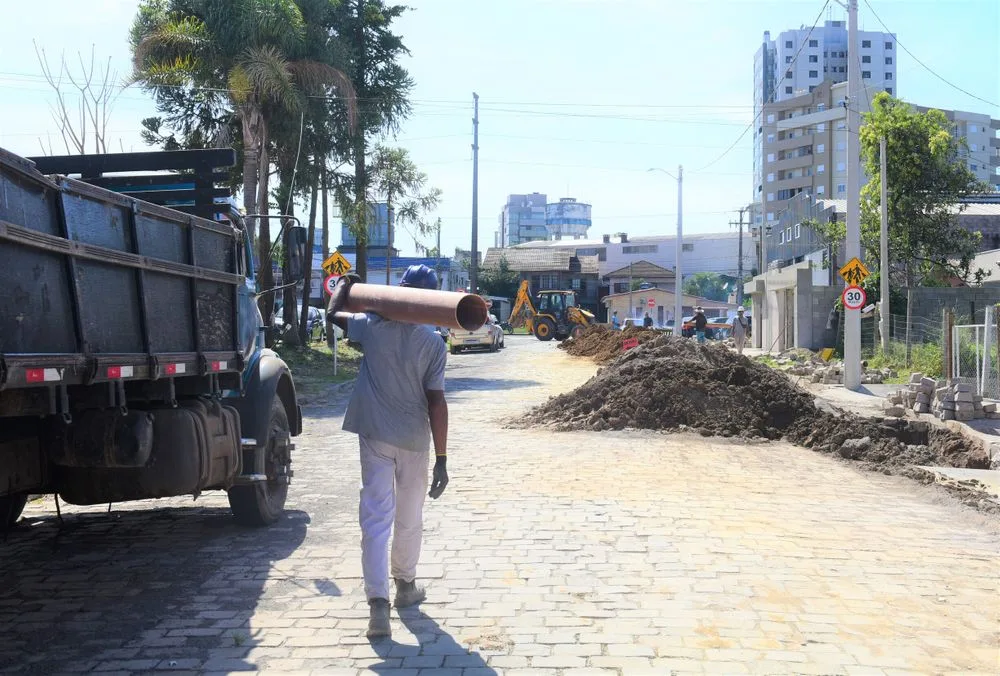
column 925, row 66
column 750, row 126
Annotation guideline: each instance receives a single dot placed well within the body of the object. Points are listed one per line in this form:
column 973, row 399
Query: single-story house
column 637, row 303
column 620, row 281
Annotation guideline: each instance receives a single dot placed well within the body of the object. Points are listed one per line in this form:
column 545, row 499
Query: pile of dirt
column 677, row 384
column 603, row 343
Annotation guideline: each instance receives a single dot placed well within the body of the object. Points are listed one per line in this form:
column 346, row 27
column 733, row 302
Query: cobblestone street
column 572, row 554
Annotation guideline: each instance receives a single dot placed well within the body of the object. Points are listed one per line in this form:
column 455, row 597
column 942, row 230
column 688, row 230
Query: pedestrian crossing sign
column 854, row 272
column 336, row 264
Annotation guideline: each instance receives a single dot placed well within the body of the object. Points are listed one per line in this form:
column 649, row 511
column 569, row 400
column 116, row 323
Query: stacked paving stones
column 812, row 366
column 947, row 402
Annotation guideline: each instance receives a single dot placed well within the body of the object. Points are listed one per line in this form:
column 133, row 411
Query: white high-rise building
column 822, row 55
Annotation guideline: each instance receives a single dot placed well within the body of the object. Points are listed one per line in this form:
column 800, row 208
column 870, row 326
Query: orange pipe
column 419, row 306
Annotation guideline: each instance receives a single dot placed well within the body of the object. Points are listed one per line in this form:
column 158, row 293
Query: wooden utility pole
column 474, row 263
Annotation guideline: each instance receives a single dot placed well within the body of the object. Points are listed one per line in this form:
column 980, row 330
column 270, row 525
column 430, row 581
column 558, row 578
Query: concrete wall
column 966, row 302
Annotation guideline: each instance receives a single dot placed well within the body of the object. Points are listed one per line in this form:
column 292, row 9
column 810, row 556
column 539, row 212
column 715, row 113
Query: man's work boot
column 408, row 593
column 378, row 622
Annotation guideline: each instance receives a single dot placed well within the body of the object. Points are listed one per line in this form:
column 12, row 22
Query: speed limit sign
column 854, row 298
column 330, row 283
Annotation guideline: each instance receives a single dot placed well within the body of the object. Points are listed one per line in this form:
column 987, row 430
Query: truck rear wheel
column 11, row 507
column 263, row 502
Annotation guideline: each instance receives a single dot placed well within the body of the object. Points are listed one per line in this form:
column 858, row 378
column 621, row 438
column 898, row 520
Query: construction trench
column 674, row 384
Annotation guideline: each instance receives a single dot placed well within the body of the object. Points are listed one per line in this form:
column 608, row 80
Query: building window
column 640, row 249
column 770, row 216
column 825, row 53
column 814, row 43
column 841, row 145
column 687, row 247
column 841, row 166
column 821, row 148
column 866, row 75
column 788, row 90
column 788, row 74
column 814, row 73
column 974, row 167
column 820, row 107
column 813, row 58
column 888, row 60
column 788, row 59
column 888, row 76
column 841, row 188
column 866, row 59
column 888, row 45
column 820, row 168
column 770, row 197
column 798, row 232
column 770, row 138
column 866, row 44
column 973, row 147
column 821, row 126
column 770, row 178
column 781, row 237
column 820, row 189
column 770, row 157
column 973, row 128
column 770, row 118
column 841, row 125
column 788, row 44
column 888, row 90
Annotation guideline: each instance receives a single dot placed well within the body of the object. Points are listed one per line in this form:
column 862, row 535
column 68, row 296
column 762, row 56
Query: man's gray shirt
column 400, row 362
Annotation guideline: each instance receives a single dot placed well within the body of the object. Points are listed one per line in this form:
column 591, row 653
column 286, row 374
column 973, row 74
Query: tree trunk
column 326, row 218
column 304, row 337
column 266, row 277
column 250, row 170
column 289, row 295
column 360, row 148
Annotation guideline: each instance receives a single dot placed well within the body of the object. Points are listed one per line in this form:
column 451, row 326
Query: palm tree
column 395, row 178
column 252, row 51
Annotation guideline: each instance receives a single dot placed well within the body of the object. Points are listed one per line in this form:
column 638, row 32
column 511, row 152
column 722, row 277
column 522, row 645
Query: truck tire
column 263, row 502
column 11, row 507
column 545, row 328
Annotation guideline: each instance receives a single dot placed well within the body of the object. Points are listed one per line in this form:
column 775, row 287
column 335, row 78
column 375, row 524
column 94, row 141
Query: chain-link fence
column 916, row 344
column 974, row 354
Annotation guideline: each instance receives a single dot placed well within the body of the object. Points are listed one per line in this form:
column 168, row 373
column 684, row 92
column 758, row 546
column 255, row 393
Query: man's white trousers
column 393, row 487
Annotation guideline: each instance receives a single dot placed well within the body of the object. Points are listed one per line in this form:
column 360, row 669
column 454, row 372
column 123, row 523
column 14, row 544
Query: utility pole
column 388, row 248
column 437, row 263
column 739, row 263
column 631, row 305
column 852, row 318
column 678, row 285
column 885, row 316
column 474, row 264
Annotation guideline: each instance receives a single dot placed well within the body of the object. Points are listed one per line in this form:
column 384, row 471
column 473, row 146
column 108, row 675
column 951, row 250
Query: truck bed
column 98, row 286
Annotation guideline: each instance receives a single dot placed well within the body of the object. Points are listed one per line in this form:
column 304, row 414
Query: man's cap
column 419, row 276
column 741, row 309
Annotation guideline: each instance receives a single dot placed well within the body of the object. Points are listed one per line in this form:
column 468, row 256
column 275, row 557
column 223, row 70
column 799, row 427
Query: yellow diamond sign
column 336, row 264
column 854, row 272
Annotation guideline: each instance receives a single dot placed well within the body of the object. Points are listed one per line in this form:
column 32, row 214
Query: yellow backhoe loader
column 556, row 316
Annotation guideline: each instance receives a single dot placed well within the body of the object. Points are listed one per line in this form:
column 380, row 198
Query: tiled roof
column 642, row 269
column 530, row 259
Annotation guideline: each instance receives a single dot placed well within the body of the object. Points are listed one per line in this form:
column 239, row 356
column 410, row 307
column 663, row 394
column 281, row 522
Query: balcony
column 792, row 143
column 793, row 163
column 792, row 183
column 812, row 119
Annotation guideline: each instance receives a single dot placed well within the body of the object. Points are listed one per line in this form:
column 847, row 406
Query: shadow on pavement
column 465, row 384
column 436, row 645
column 150, row 584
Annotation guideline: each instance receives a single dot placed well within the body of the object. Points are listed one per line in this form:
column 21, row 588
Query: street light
column 678, row 302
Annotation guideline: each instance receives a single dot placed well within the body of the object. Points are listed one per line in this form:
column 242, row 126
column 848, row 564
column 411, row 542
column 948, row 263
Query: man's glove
column 440, row 478
column 339, row 297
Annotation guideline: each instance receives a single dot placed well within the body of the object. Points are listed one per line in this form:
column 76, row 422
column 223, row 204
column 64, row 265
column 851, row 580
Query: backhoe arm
column 523, row 308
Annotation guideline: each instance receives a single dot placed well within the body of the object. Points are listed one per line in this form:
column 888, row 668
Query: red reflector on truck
column 219, row 365
column 115, row 372
column 42, row 375
column 174, row 369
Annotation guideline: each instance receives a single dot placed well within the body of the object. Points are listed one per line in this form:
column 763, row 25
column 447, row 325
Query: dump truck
column 132, row 358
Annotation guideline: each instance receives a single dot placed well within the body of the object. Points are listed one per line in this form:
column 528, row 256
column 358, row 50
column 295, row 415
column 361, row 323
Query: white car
column 488, row 336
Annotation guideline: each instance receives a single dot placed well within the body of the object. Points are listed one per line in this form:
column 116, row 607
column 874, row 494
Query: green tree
column 395, row 178
column 499, row 280
column 254, row 56
column 710, row 285
column 926, row 177
column 372, row 55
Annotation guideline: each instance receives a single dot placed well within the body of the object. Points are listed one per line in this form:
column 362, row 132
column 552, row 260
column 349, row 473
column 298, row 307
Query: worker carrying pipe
column 396, row 409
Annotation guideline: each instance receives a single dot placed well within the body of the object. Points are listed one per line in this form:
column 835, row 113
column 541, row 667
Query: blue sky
column 578, row 97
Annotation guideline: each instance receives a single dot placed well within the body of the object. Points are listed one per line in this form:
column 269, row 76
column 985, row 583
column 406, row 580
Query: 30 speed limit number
column 854, row 298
